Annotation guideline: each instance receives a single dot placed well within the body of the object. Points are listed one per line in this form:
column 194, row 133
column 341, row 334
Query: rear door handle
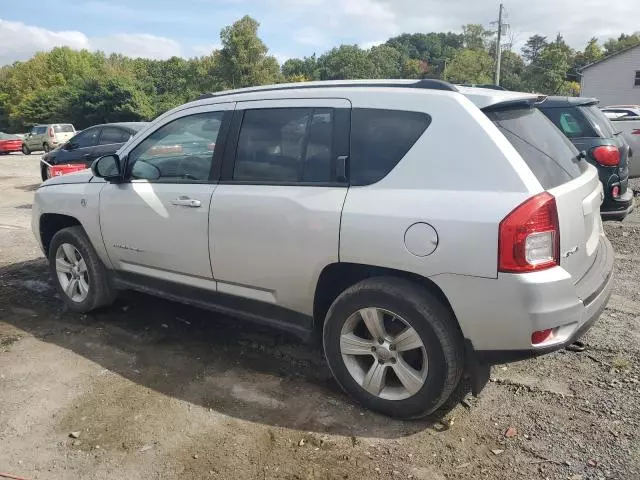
column 184, row 201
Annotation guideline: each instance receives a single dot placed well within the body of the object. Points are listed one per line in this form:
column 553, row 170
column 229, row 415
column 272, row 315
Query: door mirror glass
column 145, row 171
column 107, row 167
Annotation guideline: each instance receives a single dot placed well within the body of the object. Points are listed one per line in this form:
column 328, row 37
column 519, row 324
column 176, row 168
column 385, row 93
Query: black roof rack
column 427, row 83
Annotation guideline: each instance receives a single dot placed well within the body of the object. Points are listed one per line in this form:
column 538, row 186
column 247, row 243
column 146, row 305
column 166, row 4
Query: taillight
column 50, row 132
column 529, row 237
column 636, row 131
column 607, row 155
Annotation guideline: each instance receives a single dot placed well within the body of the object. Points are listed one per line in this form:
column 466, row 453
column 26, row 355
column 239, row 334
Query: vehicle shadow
column 221, row 363
column 29, row 188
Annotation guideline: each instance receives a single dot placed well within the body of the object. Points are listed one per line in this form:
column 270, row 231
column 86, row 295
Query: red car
column 9, row 143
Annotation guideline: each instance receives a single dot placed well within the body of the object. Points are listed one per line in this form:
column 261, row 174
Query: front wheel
column 78, row 273
column 25, row 150
column 394, row 347
column 44, row 172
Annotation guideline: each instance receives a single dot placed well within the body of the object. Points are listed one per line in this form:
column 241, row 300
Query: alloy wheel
column 72, row 272
column 384, row 354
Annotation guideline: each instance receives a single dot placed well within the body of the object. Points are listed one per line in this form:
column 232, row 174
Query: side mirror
column 107, row 167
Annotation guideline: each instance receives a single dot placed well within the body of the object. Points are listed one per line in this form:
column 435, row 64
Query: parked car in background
column 9, row 143
column 92, row 143
column 626, row 119
column 47, row 137
column 590, row 131
column 323, row 208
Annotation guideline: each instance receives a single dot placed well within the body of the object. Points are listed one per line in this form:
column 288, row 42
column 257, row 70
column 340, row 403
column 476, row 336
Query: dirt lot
column 158, row 390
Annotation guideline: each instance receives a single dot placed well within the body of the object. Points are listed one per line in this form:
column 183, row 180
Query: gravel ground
column 153, row 389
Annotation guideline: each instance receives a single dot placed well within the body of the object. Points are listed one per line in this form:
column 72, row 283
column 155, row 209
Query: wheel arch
column 52, row 223
column 337, row 277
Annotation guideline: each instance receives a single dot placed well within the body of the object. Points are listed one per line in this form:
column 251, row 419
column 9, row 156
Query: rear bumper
column 498, row 316
column 593, row 302
column 10, row 148
column 618, row 209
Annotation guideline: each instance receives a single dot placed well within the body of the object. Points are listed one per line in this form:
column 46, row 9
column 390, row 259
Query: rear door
column 275, row 216
column 110, row 140
column 79, row 149
column 573, row 182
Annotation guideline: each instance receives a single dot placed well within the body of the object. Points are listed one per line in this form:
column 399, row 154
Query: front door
column 275, row 217
column 155, row 223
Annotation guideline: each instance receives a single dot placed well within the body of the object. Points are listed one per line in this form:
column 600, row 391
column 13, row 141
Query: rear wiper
column 582, row 155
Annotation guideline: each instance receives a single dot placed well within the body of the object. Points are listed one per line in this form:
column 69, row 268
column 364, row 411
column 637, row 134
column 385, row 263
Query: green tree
column 470, row 66
column 512, row 70
column 549, row 73
column 623, row 41
column 534, row 47
column 345, row 62
column 243, row 59
column 476, row 37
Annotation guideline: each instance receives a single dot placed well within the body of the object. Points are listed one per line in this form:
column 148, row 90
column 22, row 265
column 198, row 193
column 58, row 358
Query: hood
column 83, row 176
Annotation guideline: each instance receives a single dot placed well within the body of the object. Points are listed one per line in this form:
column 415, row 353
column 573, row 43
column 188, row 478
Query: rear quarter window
column 548, row 153
column 380, row 139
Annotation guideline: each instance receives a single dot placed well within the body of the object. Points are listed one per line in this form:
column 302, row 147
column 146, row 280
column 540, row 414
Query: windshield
column 549, row 154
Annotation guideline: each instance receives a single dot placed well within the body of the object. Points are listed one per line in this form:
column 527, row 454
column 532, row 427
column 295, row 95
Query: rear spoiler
column 520, row 103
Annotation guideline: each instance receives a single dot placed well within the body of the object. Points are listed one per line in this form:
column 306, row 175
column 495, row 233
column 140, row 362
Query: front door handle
column 184, row 201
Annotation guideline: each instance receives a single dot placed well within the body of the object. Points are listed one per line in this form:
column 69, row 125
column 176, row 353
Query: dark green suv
column 592, row 133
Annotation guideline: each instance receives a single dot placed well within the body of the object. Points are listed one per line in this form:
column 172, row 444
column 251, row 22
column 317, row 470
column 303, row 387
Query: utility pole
column 498, row 47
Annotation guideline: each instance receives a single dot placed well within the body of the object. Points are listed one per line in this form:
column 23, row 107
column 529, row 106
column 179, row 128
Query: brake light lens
column 50, row 132
column 607, row 155
column 636, row 131
column 615, row 191
column 529, row 237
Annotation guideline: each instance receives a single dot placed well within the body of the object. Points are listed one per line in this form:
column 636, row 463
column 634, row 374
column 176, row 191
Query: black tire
column 434, row 323
column 44, row 173
column 25, row 150
column 101, row 292
column 46, row 147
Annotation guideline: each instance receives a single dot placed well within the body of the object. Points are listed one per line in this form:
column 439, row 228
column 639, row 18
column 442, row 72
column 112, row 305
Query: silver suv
column 422, row 230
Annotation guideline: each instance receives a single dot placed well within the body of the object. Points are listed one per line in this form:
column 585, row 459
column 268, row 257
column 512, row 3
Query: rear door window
column 549, row 154
column 111, row 135
column 380, row 139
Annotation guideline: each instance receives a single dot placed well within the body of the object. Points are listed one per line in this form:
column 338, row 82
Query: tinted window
column 63, row 128
column 636, row 81
column 88, row 138
column 181, row 150
column 41, row 130
column 379, row 140
column 285, row 145
column 550, row 155
column 112, row 135
column 571, row 120
column 8, row 136
column 599, row 121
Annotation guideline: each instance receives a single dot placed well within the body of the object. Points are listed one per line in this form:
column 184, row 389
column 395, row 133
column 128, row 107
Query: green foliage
column 85, row 88
column 470, row 66
column 243, row 60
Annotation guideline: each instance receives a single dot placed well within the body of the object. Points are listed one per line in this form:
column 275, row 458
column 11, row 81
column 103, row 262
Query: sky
column 290, row 28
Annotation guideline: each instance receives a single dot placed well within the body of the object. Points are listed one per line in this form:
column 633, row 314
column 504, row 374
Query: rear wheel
column 25, row 150
column 394, row 347
column 46, row 147
column 79, row 275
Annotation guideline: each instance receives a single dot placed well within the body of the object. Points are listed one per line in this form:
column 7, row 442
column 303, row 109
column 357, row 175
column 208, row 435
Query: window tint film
column 571, row 121
column 599, row 121
column 549, row 154
column 285, row 145
column 180, row 151
column 111, row 135
column 87, row 138
column 63, row 128
column 379, row 140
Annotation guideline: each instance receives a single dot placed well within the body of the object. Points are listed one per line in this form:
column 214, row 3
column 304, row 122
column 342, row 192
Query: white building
column 614, row 80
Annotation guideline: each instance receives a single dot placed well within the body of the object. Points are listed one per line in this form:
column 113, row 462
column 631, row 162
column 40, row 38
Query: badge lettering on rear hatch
column 573, row 251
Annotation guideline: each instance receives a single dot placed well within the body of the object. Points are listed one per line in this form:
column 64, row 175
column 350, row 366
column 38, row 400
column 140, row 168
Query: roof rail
column 427, row 83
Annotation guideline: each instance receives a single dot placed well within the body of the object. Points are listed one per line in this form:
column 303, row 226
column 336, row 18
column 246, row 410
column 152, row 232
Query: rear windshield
column 571, row 120
column 8, row 136
column 599, row 121
column 550, row 155
column 64, row 128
